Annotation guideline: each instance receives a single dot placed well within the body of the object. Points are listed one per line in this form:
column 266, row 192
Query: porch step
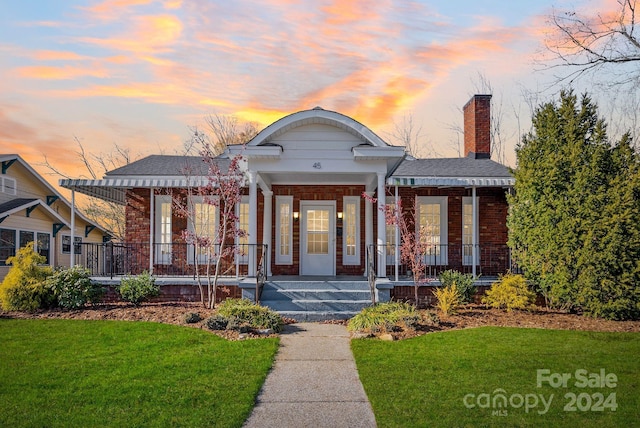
column 316, row 300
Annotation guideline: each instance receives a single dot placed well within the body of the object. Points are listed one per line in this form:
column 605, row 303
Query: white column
column 152, row 227
column 474, row 228
column 368, row 225
column 72, row 254
column 382, row 228
column 397, row 252
column 253, row 221
column 266, row 228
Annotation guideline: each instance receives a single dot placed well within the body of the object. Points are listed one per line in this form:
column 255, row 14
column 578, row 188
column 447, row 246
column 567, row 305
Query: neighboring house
column 303, row 203
column 31, row 210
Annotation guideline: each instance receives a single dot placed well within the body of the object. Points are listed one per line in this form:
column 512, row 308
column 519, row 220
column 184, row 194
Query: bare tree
column 227, row 130
column 108, row 214
column 587, row 44
column 408, row 134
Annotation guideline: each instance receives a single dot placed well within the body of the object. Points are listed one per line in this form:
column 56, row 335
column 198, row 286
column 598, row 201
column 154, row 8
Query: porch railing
column 176, row 259
column 491, row 260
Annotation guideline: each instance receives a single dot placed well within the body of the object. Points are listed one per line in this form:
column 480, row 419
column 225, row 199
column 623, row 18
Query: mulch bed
column 466, row 317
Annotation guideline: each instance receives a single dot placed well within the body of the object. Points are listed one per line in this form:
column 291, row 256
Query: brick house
column 303, row 207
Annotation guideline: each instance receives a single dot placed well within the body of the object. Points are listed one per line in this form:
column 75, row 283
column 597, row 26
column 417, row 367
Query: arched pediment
column 317, row 116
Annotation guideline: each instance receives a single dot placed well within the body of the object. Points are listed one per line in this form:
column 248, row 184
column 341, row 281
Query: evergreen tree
column 574, row 217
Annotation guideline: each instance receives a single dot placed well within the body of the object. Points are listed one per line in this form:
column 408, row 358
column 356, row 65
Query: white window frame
column 78, row 247
column 391, row 234
column 353, row 259
column 284, row 259
column 243, row 251
column 440, row 256
column 201, row 200
column 13, row 189
column 162, row 257
column 467, row 258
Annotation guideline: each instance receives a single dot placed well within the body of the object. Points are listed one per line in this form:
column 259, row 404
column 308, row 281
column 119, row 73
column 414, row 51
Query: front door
column 318, row 238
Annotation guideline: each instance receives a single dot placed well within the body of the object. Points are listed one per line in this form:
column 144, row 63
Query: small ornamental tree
column 24, row 288
column 213, row 221
column 413, row 243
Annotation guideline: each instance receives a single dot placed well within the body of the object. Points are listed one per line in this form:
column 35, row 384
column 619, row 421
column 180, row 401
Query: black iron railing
column 176, row 259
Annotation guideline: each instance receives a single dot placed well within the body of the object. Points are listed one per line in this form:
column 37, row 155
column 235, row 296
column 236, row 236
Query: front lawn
column 459, row 378
column 113, row 373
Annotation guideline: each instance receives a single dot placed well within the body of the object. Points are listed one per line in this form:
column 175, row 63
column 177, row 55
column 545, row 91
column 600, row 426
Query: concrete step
column 314, row 294
column 317, row 285
column 316, row 300
column 314, row 316
column 316, row 305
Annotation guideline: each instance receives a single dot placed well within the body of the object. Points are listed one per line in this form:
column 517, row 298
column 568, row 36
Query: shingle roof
column 15, row 203
column 452, row 167
column 167, row 165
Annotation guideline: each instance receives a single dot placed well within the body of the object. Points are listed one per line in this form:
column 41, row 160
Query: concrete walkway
column 313, row 383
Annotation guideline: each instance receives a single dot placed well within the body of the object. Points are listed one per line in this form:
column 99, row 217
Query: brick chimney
column 477, row 127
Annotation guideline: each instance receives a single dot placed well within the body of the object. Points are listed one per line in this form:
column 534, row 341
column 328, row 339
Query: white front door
column 318, row 238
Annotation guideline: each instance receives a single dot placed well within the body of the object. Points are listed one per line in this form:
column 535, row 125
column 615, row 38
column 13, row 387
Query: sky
column 141, row 74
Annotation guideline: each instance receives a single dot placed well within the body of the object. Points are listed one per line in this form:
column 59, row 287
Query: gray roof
column 15, row 203
column 167, row 165
column 449, row 172
column 451, row 167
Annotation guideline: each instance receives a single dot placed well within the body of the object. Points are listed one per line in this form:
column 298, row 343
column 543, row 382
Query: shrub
column 250, row 314
column 463, row 281
column 385, row 317
column 448, row 299
column 192, row 318
column 217, row 322
column 73, row 288
column 137, row 289
column 24, row 287
column 509, row 292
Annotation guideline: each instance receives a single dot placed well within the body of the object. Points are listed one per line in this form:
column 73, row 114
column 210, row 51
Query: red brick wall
column 492, row 219
column 477, row 126
column 181, row 293
column 316, row 193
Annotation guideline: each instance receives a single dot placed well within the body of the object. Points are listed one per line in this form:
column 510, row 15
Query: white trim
column 467, row 259
column 242, row 258
column 439, row 255
column 284, row 259
column 163, row 255
column 305, row 205
column 194, row 200
column 355, row 258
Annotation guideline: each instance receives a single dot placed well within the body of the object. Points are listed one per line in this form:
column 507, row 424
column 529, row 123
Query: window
column 390, row 233
column 66, row 244
column 163, row 226
column 317, row 231
column 284, row 227
column 432, row 230
column 7, row 244
column 243, row 224
column 467, row 228
column 351, row 230
column 43, row 244
column 8, row 185
column 204, row 225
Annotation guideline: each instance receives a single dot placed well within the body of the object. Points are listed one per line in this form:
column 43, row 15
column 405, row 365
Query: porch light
column 296, row 215
column 340, row 215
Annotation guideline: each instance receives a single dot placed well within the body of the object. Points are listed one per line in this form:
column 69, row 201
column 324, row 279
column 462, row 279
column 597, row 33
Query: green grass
column 423, row 381
column 57, row 373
